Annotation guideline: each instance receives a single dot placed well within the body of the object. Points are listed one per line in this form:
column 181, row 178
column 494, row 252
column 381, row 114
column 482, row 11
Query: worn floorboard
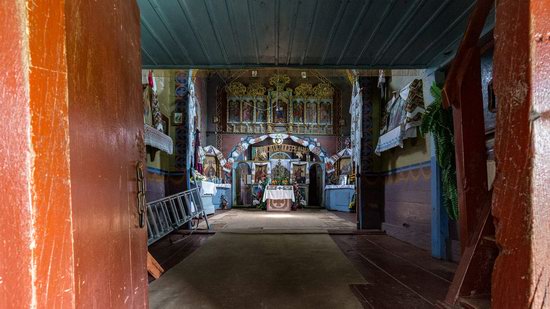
column 174, row 248
column 393, row 281
column 413, row 255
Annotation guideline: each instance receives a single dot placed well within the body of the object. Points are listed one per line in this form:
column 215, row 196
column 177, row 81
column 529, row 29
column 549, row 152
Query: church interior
column 275, row 154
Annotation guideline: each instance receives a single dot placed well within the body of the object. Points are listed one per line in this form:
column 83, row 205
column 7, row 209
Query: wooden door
column 71, row 137
column 106, row 143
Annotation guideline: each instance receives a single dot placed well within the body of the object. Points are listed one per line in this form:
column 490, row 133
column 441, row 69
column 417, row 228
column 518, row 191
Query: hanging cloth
column 403, row 115
column 382, row 84
column 198, row 163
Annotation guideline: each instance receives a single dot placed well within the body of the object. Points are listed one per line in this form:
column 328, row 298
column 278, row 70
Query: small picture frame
column 177, row 118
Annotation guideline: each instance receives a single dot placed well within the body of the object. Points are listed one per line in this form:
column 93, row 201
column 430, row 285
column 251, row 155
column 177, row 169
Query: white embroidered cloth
column 278, row 194
column 157, row 139
column 339, row 187
column 208, row 188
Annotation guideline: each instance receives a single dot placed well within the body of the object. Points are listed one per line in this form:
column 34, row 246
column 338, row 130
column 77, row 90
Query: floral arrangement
column 196, row 176
column 259, row 195
column 280, row 181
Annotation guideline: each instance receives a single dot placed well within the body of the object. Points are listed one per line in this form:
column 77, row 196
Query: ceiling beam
column 310, row 32
column 294, row 18
column 291, row 66
column 358, row 20
column 252, row 27
column 404, row 21
column 160, row 14
column 276, row 30
column 421, row 30
column 184, row 10
column 230, row 14
column 375, row 30
column 217, row 36
column 443, row 34
column 146, row 53
column 341, row 9
column 147, row 27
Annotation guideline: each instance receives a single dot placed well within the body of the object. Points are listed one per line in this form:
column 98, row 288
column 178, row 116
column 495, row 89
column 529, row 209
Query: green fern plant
column 439, row 122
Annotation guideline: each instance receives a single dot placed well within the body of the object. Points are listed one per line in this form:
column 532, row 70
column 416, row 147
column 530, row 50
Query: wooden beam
column 471, row 156
column 462, row 91
column 153, row 267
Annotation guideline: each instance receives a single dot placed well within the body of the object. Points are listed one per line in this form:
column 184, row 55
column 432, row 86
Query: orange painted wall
column 106, row 131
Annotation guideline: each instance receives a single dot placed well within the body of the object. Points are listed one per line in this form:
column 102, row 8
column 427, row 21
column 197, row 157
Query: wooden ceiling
column 391, row 34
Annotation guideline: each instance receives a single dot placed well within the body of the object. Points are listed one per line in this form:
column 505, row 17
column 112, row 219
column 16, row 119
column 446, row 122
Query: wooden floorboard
column 414, row 255
column 382, row 291
column 174, row 248
column 394, row 280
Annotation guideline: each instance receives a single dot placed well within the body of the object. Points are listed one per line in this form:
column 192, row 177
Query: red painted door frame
column 70, row 137
column 521, row 198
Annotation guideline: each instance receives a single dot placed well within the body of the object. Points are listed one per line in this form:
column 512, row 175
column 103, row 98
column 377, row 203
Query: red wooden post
column 521, row 276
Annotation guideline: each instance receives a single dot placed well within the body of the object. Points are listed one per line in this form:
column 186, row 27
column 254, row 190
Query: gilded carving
column 256, row 89
column 323, row 91
column 304, row 90
column 306, row 109
column 279, row 81
column 236, row 89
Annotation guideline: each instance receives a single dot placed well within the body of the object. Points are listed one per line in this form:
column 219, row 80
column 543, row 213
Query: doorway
column 242, row 189
column 315, row 185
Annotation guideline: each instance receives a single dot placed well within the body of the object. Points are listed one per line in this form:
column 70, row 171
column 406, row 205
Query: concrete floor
column 255, row 220
column 260, row 271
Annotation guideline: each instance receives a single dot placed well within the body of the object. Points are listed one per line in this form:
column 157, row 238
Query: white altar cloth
column 340, row 187
column 278, row 194
column 208, row 187
column 223, row 185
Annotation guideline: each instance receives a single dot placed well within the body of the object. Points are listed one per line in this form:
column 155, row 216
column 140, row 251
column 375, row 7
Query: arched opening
column 242, row 175
column 316, row 180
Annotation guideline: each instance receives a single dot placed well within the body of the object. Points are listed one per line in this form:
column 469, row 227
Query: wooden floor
column 399, row 275
column 174, row 248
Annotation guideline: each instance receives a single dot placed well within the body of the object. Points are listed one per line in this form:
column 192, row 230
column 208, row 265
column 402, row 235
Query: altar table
column 279, row 198
column 338, row 197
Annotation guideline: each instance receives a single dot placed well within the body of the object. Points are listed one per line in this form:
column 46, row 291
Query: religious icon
column 324, row 113
column 260, row 173
column 279, row 112
column 210, row 164
column 261, row 111
column 345, row 166
column 311, row 112
column 248, row 109
column 298, row 112
column 279, row 171
column 299, row 174
column 234, row 111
